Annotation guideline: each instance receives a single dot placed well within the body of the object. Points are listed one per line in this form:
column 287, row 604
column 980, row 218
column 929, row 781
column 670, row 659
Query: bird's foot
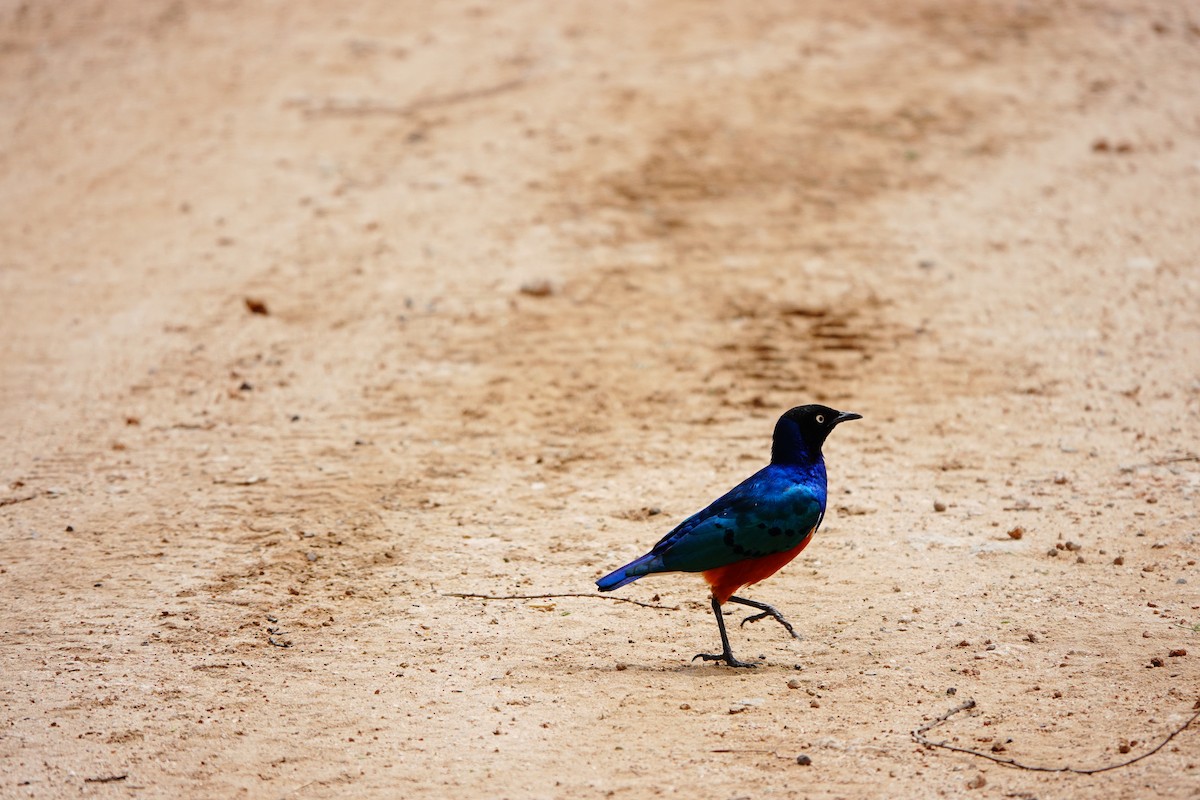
column 775, row 615
column 727, row 657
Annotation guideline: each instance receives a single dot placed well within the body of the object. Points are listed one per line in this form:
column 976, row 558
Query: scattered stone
column 685, row 707
column 256, row 306
column 978, row 782
column 311, row 556
column 803, row 760
column 939, row 506
column 1148, row 568
column 814, row 704
column 1156, row 662
column 1073, row 546
column 952, row 691
column 1016, row 533
column 744, row 705
column 1119, row 560
column 1031, row 637
column 1052, row 552
column 622, row 667
column 1177, row 652
column 538, row 287
column 794, row 683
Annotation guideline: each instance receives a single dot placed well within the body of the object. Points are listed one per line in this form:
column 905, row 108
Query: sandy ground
column 538, row 279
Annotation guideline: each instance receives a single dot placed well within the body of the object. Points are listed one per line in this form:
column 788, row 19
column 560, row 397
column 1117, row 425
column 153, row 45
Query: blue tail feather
column 630, row 572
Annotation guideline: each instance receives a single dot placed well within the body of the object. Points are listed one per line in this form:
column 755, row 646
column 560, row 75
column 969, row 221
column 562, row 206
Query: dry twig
column 367, row 108
column 919, row 736
column 563, row 594
column 8, row 501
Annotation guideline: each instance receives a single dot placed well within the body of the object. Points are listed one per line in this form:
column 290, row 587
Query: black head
column 800, row 433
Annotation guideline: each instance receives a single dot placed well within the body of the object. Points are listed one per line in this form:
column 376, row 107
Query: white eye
column 820, row 419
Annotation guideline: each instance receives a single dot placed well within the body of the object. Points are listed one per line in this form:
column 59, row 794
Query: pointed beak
column 846, row 416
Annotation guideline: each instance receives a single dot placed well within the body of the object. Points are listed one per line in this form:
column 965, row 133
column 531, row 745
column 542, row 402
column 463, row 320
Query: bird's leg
column 767, row 611
column 726, row 654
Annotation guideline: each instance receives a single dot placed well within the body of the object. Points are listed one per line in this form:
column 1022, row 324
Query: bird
column 749, row 533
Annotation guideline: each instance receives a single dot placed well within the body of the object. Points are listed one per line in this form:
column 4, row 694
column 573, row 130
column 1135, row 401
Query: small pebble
column 952, row 691
column 794, row 683
column 1156, row 662
column 1016, row 533
column 256, row 306
column 685, row 707
column 939, row 506
column 1119, row 560
column 311, row 556
column 1052, row 552
column 1176, row 653
column 803, row 760
column 539, row 287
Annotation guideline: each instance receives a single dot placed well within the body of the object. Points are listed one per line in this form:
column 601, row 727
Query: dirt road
column 315, row 315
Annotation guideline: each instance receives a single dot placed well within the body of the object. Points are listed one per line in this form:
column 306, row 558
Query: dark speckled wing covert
column 770, row 512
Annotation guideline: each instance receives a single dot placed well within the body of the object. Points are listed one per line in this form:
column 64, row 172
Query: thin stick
column 919, row 736
column 334, row 108
column 1162, row 462
column 563, row 594
column 8, row 501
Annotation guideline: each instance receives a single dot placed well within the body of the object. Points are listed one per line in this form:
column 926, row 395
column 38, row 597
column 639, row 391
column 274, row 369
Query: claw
column 767, row 611
column 727, row 658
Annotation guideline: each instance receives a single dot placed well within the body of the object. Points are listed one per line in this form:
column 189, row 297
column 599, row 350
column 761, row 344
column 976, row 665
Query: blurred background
column 314, row 314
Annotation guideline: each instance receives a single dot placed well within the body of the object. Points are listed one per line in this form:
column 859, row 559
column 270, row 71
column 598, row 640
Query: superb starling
column 749, row 533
